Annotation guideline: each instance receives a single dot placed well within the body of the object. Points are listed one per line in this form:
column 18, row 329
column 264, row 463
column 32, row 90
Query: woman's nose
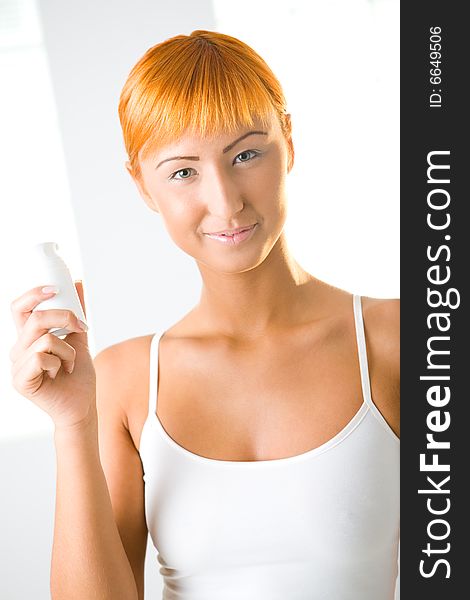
column 222, row 196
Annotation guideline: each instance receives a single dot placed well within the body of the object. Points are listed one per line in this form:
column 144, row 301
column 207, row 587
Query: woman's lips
column 236, row 238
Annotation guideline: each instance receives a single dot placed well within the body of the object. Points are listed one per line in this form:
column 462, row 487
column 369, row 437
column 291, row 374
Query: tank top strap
column 364, row 366
column 153, row 381
column 362, row 351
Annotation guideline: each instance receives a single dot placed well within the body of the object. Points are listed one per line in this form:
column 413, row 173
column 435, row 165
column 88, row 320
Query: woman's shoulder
column 122, row 369
column 382, row 324
column 130, row 358
column 125, row 353
column 381, row 317
column 382, row 330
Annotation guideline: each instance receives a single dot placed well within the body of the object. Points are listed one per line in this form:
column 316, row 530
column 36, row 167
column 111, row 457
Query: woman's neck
column 254, row 303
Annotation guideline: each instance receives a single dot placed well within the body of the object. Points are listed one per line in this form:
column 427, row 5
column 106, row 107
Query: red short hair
column 206, row 82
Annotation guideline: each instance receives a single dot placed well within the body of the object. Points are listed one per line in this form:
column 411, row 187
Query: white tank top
column 321, row 525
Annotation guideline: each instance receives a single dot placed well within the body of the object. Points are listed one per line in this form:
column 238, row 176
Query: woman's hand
column 42, row 362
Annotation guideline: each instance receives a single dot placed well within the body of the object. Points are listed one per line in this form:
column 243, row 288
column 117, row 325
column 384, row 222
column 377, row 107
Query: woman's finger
column 28, row 378
column 39, row 323
column 22, row 307
column 48, row 344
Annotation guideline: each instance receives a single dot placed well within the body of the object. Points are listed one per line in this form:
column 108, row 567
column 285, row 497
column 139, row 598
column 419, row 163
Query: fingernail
column 82, row 325
column 70, row 368
column 50, row 289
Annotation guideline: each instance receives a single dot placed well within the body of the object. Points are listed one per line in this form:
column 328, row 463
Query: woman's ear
column 141, row 188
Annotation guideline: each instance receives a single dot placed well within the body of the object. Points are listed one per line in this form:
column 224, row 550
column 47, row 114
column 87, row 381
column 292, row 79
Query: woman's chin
column 229, row 266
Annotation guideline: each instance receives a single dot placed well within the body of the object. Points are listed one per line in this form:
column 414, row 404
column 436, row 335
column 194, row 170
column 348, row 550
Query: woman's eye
column 245, row 156
column 247, row 152
column 173, row 175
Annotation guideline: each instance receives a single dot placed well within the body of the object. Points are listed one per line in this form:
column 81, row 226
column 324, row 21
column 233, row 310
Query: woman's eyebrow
column 229, row 147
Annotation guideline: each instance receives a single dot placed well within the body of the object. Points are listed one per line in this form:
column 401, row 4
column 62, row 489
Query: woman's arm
column 58, row 375
column 88, row 557
column 122, row 379
column 101, row 535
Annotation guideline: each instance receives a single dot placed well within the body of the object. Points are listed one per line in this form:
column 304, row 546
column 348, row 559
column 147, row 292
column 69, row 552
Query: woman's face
column 205, row 186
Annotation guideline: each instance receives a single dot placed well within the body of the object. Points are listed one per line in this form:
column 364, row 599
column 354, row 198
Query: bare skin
column 269, row 350
column 281, row 396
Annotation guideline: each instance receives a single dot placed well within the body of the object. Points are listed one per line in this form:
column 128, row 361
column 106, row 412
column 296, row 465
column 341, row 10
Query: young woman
column 257, row 438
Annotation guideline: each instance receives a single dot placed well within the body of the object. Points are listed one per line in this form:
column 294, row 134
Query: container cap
column 47, row 253
column 47, row 250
